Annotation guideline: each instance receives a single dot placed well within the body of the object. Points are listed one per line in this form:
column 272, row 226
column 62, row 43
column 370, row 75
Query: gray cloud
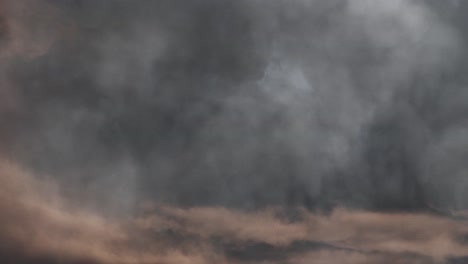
column 216, row 131
column 242, row 104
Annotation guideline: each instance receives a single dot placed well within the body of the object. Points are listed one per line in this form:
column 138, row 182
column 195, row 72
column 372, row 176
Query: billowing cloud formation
column 237, row 122
column 242, row 104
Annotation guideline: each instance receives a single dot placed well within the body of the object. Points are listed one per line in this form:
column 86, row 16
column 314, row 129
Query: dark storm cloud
column 174, row 131
column 244, row 103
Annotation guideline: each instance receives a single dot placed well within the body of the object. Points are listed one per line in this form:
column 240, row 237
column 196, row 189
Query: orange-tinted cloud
column 36, row 225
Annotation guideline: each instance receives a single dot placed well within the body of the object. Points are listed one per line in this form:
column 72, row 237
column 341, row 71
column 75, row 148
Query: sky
column 249, row 131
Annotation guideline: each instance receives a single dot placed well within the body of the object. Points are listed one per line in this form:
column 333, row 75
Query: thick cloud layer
column 213, row 107
column 244, row 103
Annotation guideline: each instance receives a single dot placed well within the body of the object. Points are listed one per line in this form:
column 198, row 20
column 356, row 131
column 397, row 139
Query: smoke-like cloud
column 250, row 124
column 242, row 104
